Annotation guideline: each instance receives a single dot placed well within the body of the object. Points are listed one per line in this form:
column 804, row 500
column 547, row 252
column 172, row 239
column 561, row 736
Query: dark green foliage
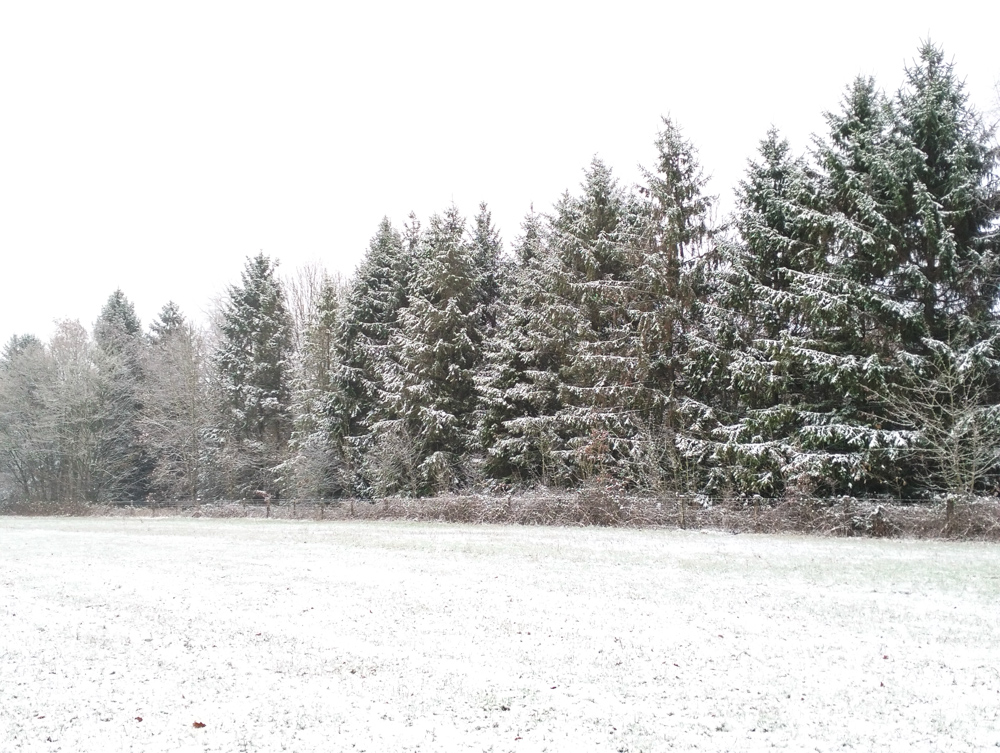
column 168, row 323
column 430, row 387
column 837, row 335
column 254, row 371
column 368, row 322
column 846, row 271
column 490, row 270
column 123, row 463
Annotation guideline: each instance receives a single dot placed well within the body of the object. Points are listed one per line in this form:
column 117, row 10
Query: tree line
column 837, row 334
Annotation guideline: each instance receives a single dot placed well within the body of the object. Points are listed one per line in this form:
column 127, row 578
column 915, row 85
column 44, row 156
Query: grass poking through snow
column 122, row 634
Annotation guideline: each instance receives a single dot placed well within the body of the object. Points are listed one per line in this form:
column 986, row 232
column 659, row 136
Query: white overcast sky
column 153, row 146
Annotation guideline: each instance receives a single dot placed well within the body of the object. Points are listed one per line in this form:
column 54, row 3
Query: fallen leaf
column 197, row 725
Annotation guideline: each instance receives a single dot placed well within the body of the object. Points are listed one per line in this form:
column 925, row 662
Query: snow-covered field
column 120, row 634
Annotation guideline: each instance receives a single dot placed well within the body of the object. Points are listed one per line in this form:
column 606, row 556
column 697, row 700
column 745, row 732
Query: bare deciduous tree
column 947, row 423
column 176, row 411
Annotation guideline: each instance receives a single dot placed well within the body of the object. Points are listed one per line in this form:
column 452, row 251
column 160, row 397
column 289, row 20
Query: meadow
column 180, row 634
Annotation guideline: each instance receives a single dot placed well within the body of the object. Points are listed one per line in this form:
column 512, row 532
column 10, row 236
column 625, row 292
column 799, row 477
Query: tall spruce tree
column 751, row 323
column 887, row 245
column 124, row 466
column 490, row 269
column 947, row 268
column 366, row 325
column 662, row 303
column 538, row 425
column 431, row 387
column 253, row 370
column 912, row 197
column 505, row 380
column 169, row 321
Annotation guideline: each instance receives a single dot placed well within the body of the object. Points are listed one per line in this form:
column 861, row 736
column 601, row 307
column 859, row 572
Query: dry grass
column 845, row 516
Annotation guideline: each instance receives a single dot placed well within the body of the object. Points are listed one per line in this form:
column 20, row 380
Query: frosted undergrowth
column 310, row 636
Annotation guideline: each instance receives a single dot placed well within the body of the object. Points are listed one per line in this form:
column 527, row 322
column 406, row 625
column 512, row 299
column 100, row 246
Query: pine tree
column 504, row 381
column 169, row 321
column 253, row 369
column 751, row 323
column 538, row 424
column 124, row 465
column 490, row 270
column 366, row 325
column 875, row 255
column 662, row 303
column 948, row 262
column 912, row 194
column 946, row 271
column 586, row 236
column 431, row 389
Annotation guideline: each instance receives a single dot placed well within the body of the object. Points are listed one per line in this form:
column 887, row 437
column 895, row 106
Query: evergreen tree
column 431, row 390
column 887, row 247
column 752, row 324
column 503, row 380
column 490, row 269
column 366, row 325
column 912, row 196
column 169, row 321
column 253, row 368
column 662, row 296
column 124, row 464
column 538, row 424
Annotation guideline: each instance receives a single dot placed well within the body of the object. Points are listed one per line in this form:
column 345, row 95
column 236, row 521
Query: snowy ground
column 312, row 636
